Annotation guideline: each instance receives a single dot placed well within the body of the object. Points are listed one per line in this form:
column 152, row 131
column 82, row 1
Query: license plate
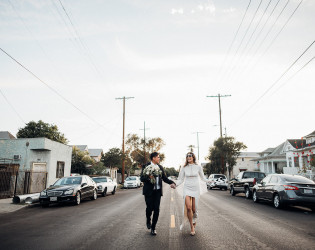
column 308, row 191
column 53, row 198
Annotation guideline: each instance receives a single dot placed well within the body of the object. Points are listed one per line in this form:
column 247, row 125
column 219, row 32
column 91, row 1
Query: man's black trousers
column 153, row 205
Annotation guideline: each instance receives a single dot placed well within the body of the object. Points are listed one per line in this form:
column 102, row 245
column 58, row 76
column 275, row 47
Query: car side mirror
column 83, row 184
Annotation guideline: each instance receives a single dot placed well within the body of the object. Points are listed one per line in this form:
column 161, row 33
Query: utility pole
column 144, row 129
column 198, row 141
column 219, row 96
column 123, row 143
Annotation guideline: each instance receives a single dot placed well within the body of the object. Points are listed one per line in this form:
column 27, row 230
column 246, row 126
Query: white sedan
column 105, row 185
column 132, row 182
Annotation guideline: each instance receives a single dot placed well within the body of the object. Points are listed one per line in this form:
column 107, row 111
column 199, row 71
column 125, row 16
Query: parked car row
column 279, row 189
column 284, row 189
column 75, row 188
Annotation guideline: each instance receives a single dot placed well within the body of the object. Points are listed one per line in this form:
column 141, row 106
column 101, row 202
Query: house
column 29, row 165
column 96, row 154
column 245, row 161
column 299, row 153
column 272, row 160
column 83, row 148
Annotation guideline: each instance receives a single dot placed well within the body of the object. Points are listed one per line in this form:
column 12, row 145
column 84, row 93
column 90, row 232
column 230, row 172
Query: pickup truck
column 245, row 181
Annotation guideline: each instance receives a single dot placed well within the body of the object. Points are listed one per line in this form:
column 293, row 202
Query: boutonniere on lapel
column 152, row 171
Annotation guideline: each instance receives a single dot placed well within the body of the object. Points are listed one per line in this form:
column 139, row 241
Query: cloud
column 134, row 61
column 230, row 10
column 179, row 11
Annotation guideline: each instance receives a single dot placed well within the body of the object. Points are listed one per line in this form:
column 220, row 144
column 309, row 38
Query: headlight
column 70, row 191
column 43, row 193
column 99, row 187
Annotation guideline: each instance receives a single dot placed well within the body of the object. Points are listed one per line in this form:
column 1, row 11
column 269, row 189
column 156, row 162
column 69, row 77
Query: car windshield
column 298, row 179
column 131, row 178
column 98, row 180
column 68, row 181
column 219, row 175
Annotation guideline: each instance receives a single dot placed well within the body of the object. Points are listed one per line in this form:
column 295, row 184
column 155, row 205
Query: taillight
column 254, row 182
column 289, row 187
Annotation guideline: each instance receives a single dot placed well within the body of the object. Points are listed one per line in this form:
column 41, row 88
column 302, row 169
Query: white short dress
column 191, row 176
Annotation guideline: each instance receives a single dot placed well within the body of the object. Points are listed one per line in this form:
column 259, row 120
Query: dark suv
column 245, row 181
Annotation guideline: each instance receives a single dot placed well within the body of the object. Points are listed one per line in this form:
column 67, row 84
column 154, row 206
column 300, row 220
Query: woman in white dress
column 190, row 173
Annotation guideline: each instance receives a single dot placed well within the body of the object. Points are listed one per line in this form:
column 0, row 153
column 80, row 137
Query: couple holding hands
column 152, row 175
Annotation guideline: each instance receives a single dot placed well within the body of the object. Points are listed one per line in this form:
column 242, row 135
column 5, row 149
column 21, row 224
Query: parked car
column 132, row 182
column 217, row 181
column 69, row 189
column 245, row 181
column 284, row 189
column 105, row 185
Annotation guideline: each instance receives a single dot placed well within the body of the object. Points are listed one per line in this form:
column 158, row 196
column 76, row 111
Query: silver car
column 284, row 189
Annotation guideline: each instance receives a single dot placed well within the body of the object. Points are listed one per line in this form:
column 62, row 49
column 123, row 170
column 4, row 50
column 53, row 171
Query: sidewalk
column 7, row 206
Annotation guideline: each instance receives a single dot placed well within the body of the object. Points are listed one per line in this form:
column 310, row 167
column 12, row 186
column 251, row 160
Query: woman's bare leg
column 194, row 208
column 188, row 203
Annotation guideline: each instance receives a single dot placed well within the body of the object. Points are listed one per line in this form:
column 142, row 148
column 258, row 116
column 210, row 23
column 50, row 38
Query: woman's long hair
column 194, row 158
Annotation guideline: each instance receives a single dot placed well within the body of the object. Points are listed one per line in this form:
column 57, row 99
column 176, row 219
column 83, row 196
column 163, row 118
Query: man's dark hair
column 154, row 154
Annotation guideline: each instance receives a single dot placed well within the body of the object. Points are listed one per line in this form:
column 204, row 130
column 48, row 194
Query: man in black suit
column 153, row 192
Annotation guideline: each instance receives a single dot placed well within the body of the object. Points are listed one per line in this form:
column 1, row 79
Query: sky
column 65, row 62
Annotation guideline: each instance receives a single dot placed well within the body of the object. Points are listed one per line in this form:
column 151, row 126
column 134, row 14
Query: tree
column 135, row 150
column 81, row 161
column 99, row 168
column 171, row 172
column 224, row 150
column 41, row 129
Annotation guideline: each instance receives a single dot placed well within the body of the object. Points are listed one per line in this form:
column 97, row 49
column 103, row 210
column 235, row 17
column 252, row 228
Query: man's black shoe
column 153, row 231
column 148, row 225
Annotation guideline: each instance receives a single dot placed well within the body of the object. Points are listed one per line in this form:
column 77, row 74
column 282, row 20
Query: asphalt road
column 118, row 222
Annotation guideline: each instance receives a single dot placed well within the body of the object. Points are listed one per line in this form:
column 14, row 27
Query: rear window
column 254, row 175
column 219, row 175
column 299, row 179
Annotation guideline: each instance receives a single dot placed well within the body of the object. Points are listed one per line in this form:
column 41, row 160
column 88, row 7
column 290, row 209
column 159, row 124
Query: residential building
column 32, row 164
column 96, row 154
column 299, row 153
column 245, row 161
column 272, row 160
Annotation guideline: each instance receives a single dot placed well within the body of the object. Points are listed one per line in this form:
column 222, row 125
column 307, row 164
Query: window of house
column 60, row 171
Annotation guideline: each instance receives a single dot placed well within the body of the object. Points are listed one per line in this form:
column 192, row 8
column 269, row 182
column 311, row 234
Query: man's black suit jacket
column 148, row 186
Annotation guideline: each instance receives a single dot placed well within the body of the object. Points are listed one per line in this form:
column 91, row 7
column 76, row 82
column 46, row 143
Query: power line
column 259, row 34
column 238, row 29
column 273, row 84
column 248, row 41
column 267, row 34
column 15, row 111
column 51, row 88
column 80, row 40
column 241, row 43
column 282, row 85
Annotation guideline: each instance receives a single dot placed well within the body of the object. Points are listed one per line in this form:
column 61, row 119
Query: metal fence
column 16, row 182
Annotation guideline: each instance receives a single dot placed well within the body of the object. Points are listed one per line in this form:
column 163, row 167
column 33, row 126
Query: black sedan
column 284, row 189
column 69, row 189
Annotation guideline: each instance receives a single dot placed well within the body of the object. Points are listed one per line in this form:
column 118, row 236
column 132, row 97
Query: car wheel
column 225, row 188
column 104, row 192
column 210, row 188
column 77, row 200
column 114, row 191
column 277, row 203
column 232, row 191
column 247, row 193
column 255, row 198
column 94, row 197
